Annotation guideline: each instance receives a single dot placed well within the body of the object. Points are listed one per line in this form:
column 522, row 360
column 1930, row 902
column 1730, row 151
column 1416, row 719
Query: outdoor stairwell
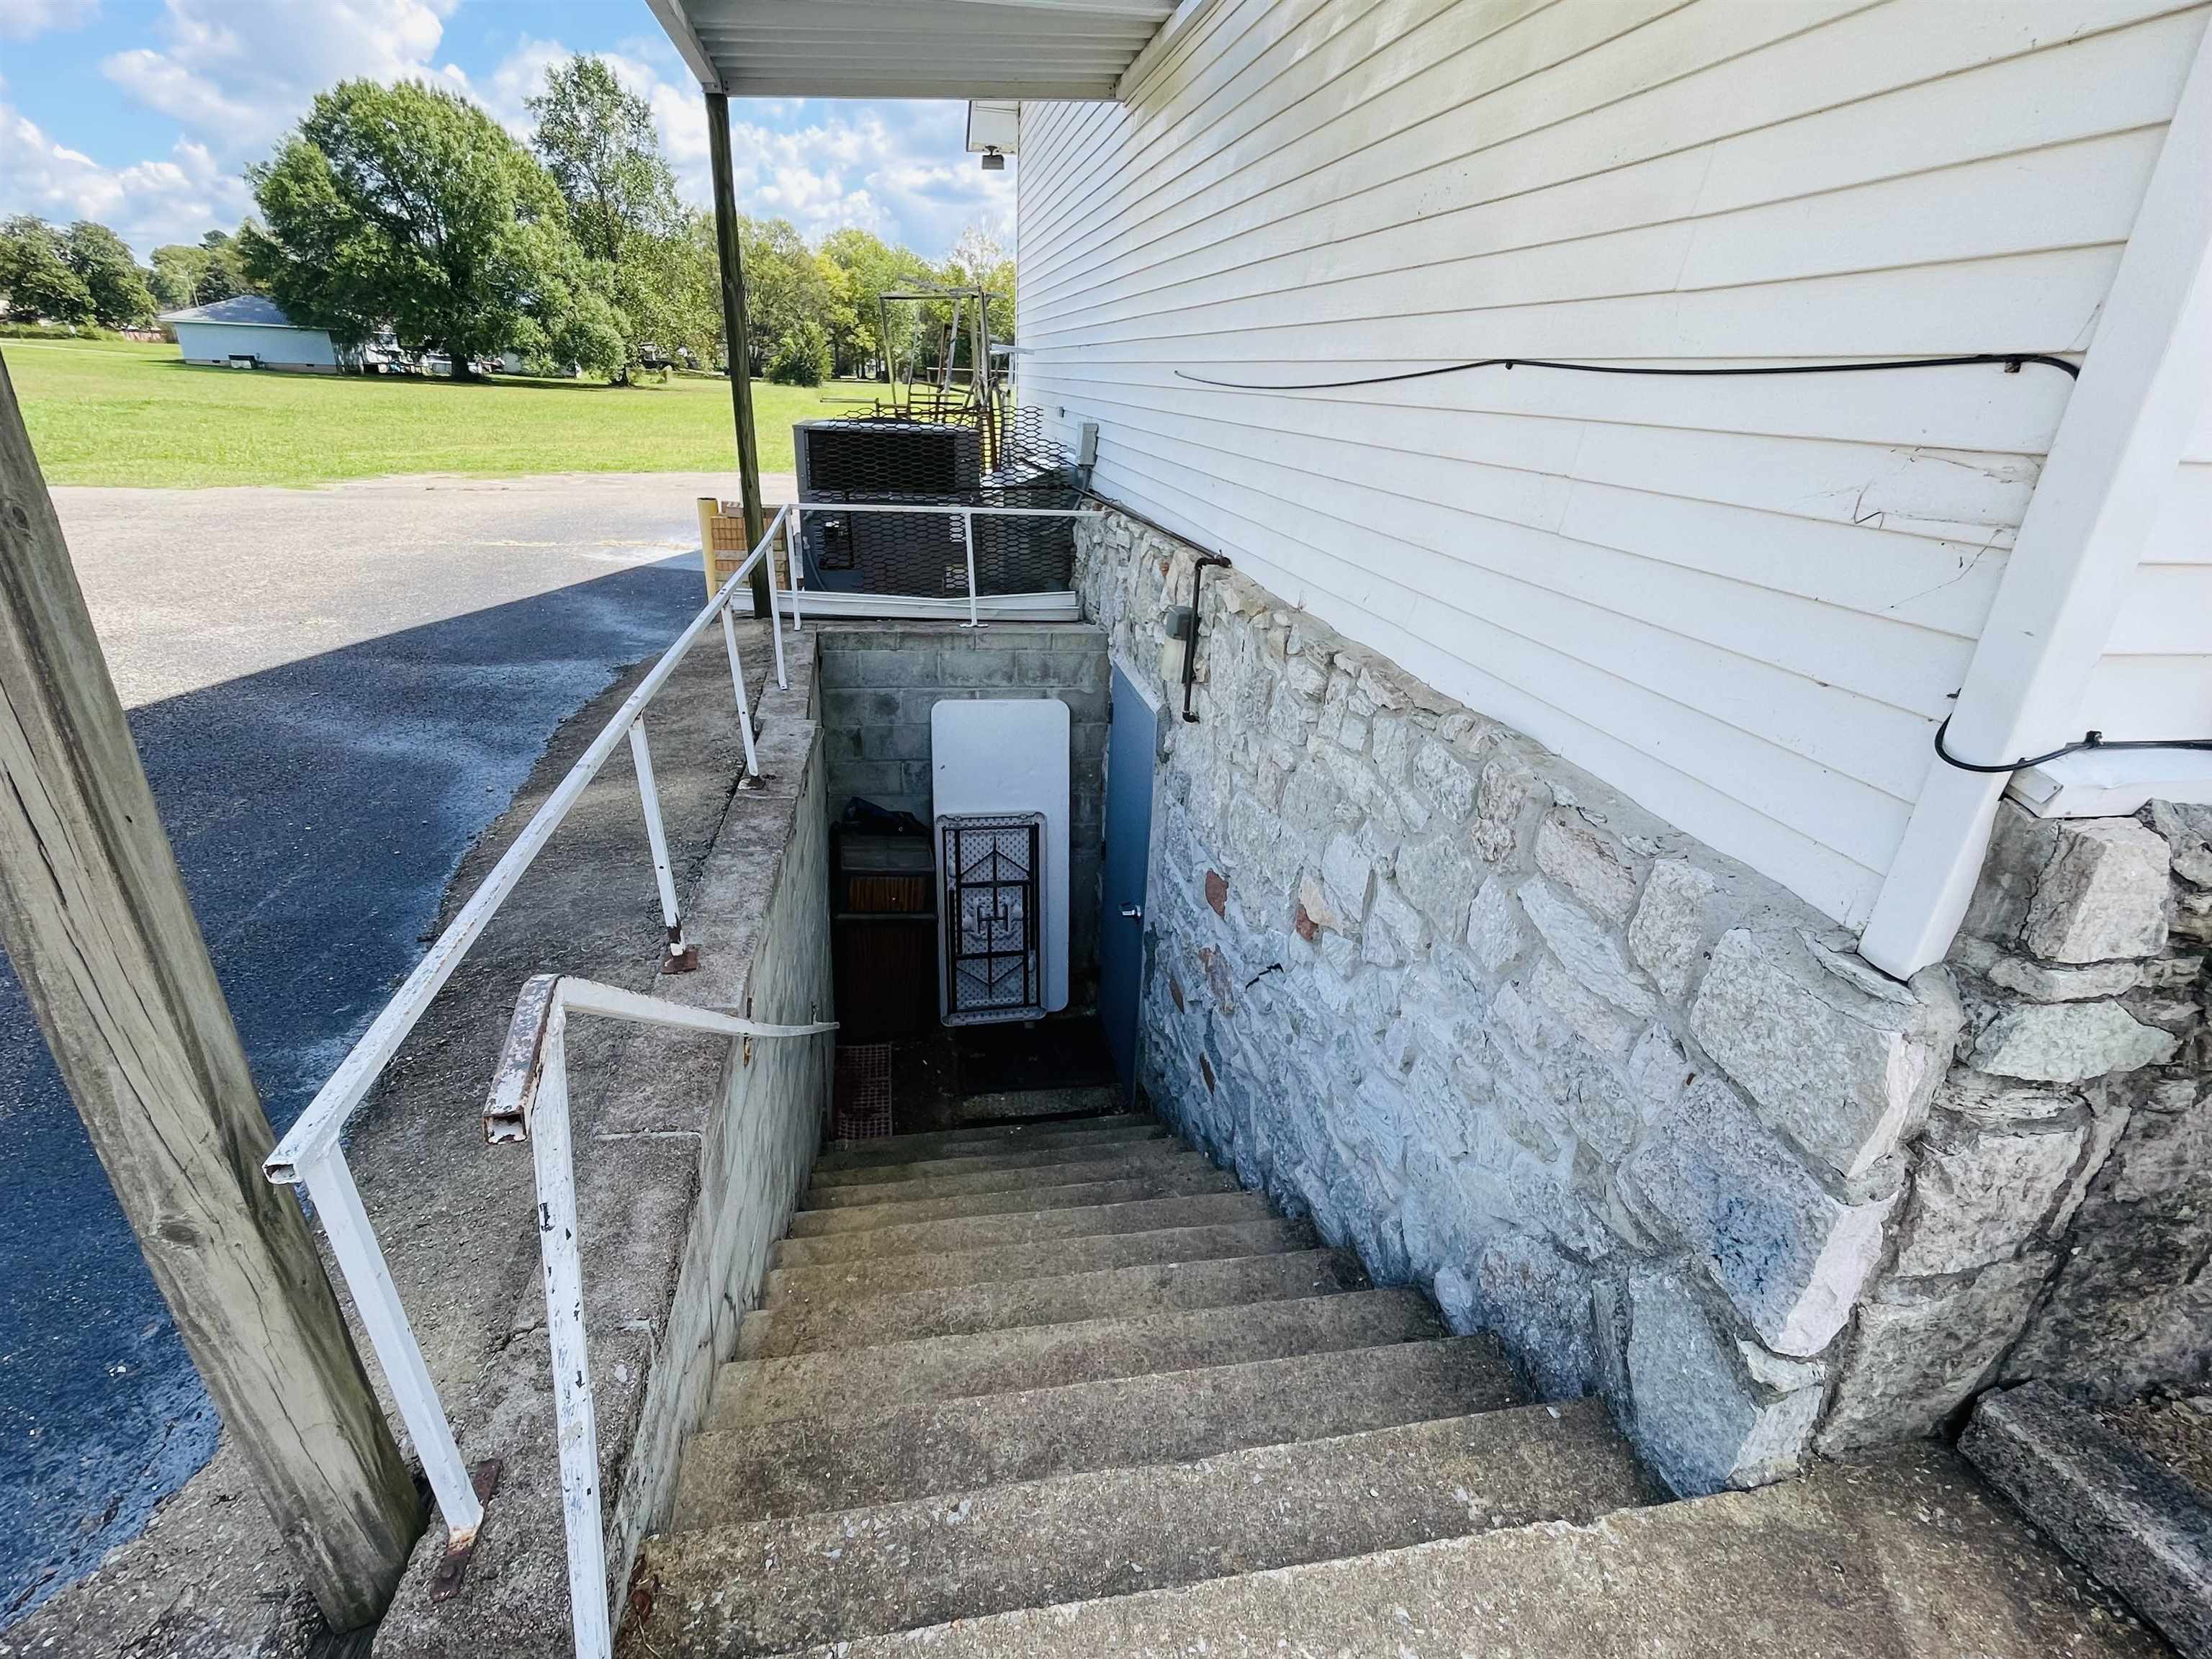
column 1065, row 1391
column 996, row 1370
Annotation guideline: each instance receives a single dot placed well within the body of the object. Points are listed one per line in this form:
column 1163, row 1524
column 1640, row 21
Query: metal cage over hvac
column 998, row 459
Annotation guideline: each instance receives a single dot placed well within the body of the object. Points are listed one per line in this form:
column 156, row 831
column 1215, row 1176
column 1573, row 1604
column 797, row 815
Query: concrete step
column 766, row 1586
column 1166, row 1181
column 990, row 1232
column 942, row 1143
column 841, row 1385
column 961, row 1445
column 1027, row 1157
column 2120, row 1513
column 1052, row 1258
column 1903, row 1558
column 838, row 1322
column 1004, row 1104
column 1139, row 1158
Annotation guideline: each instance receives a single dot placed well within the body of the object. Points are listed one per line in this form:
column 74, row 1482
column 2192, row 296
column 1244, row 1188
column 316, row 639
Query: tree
column 180, row 270
column 800, row 357
column 200, row 273
column 411, row 208
column 35, row 277
column 110, row 275
column 598, row 141
column 784, row 287
column 872, row 267
column 978, row 261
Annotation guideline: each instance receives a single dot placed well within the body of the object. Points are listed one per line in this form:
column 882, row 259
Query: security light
column 993, row 161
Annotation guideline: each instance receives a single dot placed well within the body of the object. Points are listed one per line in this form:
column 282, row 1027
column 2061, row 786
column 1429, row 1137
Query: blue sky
column 145, row 113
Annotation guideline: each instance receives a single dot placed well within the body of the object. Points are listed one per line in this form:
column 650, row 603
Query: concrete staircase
column 1065, row 1389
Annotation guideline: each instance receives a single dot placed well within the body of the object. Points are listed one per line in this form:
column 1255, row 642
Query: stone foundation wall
column 1607, row 1092
column 2061, row 1215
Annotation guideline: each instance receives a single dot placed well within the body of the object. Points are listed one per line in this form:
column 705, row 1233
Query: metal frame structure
column 529, row 1100
column 1025, row 942
column 310, row 1156
column 983, row 394
column 1026, row 607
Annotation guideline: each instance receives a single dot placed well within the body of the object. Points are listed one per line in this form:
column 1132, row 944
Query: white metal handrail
column 310, row 1156
column 968, row 515
column 529, row 1100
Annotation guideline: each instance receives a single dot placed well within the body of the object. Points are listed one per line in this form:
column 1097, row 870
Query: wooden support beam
column 100, row 929
column 734, row 332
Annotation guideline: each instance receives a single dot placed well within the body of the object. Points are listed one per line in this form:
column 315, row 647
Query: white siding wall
column 1743, row 601
column 203, row 343
column 2155, row 677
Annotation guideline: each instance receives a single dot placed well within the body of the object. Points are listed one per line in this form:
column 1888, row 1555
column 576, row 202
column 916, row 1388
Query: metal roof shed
column 249, row 326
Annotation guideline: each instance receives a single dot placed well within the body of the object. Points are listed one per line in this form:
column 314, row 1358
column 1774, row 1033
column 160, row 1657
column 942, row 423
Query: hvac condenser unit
column 923, row 555
column 905, row 462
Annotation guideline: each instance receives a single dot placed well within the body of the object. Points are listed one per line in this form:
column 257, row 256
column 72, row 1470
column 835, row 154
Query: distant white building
column 249, row 330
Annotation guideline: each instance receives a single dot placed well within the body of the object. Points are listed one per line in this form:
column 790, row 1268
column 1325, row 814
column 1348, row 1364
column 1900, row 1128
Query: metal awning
column 911, row 48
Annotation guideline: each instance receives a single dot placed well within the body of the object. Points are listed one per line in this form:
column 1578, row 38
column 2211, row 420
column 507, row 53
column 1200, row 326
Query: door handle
column 1134, row 912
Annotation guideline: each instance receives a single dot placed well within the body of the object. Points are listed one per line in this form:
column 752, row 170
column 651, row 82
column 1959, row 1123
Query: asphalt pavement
column 334, row 692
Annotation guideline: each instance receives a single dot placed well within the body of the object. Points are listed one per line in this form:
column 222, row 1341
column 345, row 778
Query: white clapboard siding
column 2154, row 679
column 1747, row 601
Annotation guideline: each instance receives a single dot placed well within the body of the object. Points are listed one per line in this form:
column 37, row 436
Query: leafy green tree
column 35, row 277
column 200, row 273
column 599, row 142
column 110, row 273
column 872, row 267
column 784, row 285
column 407, row 207
column 978, row 261
column 180, row 268
column 801, row 357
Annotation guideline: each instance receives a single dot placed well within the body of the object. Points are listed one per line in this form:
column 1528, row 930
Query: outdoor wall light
column 993, row 161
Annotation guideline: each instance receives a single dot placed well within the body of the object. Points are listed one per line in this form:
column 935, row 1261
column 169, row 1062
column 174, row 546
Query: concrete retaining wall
column 690, row 1154
column 1618, row 1098
column 878, row 683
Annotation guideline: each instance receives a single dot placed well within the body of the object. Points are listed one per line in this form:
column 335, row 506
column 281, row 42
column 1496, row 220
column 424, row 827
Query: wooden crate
column 723, row 546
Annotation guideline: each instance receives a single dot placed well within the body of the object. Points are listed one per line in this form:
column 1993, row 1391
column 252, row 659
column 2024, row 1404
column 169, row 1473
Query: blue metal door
column 1130, row 748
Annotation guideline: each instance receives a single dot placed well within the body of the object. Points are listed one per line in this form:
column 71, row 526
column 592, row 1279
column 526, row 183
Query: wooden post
column 98, row 925
column 709, row 510
column 734, row 331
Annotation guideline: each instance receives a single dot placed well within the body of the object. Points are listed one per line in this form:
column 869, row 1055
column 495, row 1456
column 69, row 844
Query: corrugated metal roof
column 255, row 308
column 911, row 48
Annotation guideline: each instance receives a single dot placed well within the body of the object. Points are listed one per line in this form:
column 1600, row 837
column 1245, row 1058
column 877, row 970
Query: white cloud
column 237, row 73
column 897, row 169
column 25, row 19
column 148, row 203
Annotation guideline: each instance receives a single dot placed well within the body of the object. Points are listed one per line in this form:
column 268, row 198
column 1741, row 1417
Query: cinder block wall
column 877, row 683
column 1632, row 1106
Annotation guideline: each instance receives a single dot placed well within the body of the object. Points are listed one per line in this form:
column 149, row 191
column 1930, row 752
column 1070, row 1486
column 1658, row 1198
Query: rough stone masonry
column 1632, row 1106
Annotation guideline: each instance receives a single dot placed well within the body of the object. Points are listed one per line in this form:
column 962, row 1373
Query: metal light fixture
column 992, row 161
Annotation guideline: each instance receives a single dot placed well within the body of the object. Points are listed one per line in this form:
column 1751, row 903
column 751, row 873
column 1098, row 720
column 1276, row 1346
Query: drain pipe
column 1205, row 561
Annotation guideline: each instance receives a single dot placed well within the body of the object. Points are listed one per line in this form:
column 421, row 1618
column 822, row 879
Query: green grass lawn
column 113, row 412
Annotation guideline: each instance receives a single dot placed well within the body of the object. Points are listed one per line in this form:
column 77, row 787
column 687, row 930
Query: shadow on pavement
column 317, row 810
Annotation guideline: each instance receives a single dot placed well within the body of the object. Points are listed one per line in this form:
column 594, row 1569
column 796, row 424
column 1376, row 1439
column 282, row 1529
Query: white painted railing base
column 310, row 1156
column 530, row 1100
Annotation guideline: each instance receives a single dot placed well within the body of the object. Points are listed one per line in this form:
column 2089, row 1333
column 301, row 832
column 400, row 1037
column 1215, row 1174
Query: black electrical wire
column 2092, row 740
column 2011, row 360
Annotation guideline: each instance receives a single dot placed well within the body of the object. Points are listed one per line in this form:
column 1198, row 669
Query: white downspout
column 2142, row 386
